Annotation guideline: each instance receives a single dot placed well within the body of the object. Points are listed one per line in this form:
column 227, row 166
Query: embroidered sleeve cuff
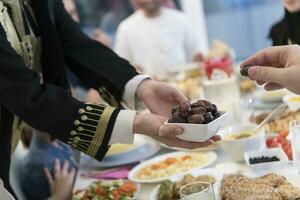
column 123, row 129
column 93, row 129
column 129, row 96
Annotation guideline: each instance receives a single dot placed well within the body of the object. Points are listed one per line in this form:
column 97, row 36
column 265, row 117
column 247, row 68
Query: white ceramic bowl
column 235, row 149
column 201, row 132
column 268, row 166
column 293, row 105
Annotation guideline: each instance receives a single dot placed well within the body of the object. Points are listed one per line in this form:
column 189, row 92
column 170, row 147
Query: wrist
column 144, row 88
column 137, row 123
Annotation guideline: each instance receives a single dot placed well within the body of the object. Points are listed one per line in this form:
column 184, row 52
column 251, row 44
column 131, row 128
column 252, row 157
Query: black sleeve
column 50, row 109
column 93, row 63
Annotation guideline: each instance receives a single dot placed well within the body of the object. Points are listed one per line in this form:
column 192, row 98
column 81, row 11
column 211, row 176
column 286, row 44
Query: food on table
column 200, row 112
column 263, row 159
column 165, row 191
column 294, row 99
column 191, row 87
column 120, row 148
column 170, row 190
column 195, row 188
column 100, row 190
column 268, row 187
column 244, row 70
column 281, row 141
column 172, row 166
column 280, row 123
column 238, row 136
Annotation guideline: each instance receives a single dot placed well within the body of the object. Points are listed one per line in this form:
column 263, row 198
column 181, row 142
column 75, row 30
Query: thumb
column 170, row 131
column 267, row 74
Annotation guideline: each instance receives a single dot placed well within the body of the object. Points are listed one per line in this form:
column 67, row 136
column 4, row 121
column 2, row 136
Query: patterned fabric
column 47, row 105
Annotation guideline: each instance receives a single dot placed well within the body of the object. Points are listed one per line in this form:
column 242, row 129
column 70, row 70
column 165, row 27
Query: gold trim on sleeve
column 90, row 128
column 108, row 97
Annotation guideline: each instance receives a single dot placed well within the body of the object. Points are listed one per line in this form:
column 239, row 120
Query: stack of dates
column 200, row 112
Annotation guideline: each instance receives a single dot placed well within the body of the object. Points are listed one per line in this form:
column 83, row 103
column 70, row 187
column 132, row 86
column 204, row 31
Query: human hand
column 276, row 67
column 61, row 184
column 153, row 125
column 159, row 97
column 93, row 97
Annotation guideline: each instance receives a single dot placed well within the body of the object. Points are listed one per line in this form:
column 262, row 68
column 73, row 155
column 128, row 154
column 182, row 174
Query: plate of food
column 172, row 164
column 268, row 187
column 212, row 147
column 200, row 120
column 279, row 123
column 293, row 101
column 169, row 189
column 108, row 190
column 143, row 148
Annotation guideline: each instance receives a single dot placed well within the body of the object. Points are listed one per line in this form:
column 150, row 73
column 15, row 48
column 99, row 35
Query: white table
column 146, row 189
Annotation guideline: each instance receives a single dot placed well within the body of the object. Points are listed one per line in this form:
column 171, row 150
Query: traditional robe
column 46, row 104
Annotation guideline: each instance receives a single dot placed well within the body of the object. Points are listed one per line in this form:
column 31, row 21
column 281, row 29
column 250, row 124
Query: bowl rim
column 279, row 152
column 257, row 135
column 223, row 114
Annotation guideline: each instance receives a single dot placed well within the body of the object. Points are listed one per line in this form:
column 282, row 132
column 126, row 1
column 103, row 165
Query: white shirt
column 157, row 44
column 123, row 129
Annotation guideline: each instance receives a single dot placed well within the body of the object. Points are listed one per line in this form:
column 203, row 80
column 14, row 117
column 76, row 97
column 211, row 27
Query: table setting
column 258, row 156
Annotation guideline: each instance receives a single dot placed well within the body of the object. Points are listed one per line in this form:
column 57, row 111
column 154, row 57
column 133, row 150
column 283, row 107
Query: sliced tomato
column 128, row 187
column 170, row 161
column 100, row 191
column 284, row 133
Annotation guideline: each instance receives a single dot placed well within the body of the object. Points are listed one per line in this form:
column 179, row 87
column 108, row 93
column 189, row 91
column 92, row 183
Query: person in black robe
column 38, row 41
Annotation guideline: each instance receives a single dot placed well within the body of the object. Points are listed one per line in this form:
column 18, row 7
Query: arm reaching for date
column 275, row 67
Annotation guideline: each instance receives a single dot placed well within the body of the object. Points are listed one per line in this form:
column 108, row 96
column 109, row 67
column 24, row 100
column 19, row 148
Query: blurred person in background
column 70, row 7
column 61, row 181
column 156, row 39
column 119, row 10
column 43, row 152
column 287, row 31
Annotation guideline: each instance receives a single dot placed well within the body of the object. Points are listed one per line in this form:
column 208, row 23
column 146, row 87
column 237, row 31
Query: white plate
column 200, row 132
column 148, row 149
column 212, row 147
column 270, row 96
column 84, row 183
column 208, row 171
column 212, row 156
column 293, row 105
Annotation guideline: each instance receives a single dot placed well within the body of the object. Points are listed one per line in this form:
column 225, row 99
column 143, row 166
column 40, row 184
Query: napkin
column 117, row 173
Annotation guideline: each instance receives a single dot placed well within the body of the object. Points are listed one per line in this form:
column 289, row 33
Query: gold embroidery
column 101, row 129
column 108, row 97
column 90, row 128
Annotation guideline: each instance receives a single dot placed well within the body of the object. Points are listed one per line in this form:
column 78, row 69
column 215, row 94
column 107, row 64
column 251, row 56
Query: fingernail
column 253, row 72
column 178, row 131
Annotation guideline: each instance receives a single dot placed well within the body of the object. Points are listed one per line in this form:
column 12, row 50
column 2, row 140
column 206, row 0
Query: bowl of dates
column 200, row 120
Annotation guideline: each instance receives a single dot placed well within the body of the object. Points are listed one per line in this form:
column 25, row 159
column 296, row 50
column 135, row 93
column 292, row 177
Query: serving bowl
column 200, row 132
column 235, row 149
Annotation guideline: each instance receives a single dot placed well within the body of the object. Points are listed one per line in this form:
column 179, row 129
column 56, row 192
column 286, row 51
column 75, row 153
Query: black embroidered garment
column 47, row 105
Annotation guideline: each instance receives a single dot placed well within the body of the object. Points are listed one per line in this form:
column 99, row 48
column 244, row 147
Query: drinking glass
column 295, row 140
column 197, row 191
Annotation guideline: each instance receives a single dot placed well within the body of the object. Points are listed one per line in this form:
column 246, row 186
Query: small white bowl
column 267, row 166
column 200, row 132
column 235, row 149
column 293, row 106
